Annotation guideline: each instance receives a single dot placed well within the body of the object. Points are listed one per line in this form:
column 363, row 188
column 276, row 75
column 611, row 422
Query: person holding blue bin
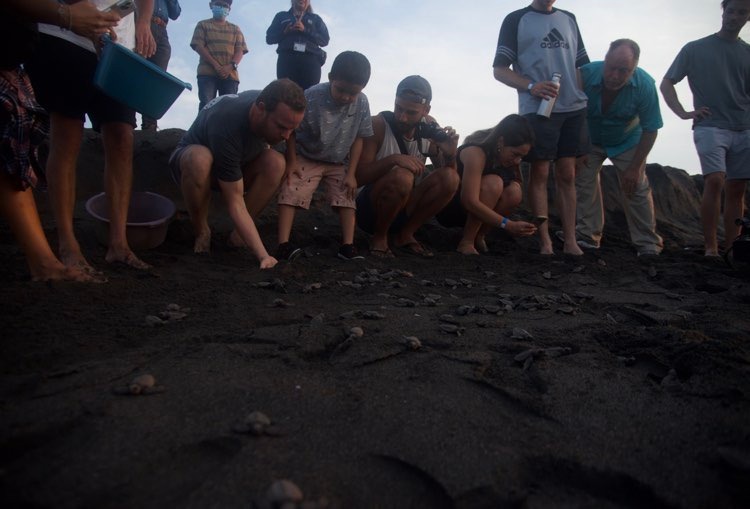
column 62, row 73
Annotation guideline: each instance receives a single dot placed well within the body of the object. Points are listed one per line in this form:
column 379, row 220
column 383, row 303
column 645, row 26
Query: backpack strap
column 390, row 118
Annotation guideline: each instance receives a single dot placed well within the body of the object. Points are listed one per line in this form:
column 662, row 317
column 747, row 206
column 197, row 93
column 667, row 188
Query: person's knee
column 512, row 194
column 195, row 164
column 713, row 183
column 398, row 183
column 449, row 181
column 565, row 177
column 118, row 137
column 270, row 165
column 491, row 185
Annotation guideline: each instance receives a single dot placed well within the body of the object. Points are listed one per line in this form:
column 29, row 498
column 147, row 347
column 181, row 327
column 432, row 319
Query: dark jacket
column 314, row 36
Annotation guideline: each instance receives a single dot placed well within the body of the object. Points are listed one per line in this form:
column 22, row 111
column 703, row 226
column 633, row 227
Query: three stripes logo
column 554, row 40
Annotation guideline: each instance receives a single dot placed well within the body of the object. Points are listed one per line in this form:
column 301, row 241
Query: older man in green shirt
column 623, row 120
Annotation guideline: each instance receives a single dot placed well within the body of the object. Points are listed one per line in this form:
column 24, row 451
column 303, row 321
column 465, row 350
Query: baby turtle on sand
column 283, row 492
column 258, row 424
column 354, row 333
column 412, row 343
column 527, row 356
column 141, row 385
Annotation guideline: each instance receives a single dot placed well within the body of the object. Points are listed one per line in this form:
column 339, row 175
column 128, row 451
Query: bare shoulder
column 378, row 127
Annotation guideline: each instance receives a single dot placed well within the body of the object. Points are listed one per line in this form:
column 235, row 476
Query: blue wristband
column 504, row 223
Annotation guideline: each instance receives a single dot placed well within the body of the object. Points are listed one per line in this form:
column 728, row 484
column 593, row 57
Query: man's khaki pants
column 639, row 209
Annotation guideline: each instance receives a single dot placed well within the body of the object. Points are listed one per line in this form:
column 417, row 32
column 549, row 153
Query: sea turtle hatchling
column 141, row 385
column 256, row 423
column 412, row 343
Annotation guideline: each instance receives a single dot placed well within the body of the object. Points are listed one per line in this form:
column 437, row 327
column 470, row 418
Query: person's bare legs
column 565, row 183
column 538, row 177
column 734, row 208
column 195, row 167
column 427, row 199
column 510, row 199
column 389, row 196
column 490, row 190
column 118, row 183
column 286, row 220
column 262, row 178
column 19, row 209
column 713, row 183
column 65, row 143
column 348, row 219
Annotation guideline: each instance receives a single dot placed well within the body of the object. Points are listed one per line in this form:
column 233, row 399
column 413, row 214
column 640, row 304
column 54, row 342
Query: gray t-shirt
column 718, row 72
column 539, row 44
column 223, row 126
column 328, row 129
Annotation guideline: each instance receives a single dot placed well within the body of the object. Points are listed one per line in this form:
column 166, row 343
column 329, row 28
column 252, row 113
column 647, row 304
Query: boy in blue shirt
column 327, row 146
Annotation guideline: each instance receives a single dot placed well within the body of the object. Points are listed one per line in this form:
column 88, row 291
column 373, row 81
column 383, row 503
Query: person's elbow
column 499, row 73
column 666, row 86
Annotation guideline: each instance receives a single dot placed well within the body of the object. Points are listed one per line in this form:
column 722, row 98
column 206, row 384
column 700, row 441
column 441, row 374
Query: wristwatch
column 531, row 85
column 234, row 65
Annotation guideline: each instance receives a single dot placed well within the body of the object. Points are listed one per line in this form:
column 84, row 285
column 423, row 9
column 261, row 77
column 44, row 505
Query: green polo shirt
column 634, row 110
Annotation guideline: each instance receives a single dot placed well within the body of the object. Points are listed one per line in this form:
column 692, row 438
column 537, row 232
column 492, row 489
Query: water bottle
column 545, row 107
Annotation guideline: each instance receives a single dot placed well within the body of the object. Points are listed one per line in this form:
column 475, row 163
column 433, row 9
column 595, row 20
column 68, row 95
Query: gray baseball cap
column 415, row 86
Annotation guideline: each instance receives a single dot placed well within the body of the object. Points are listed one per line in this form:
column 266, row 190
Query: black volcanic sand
column 637, row 393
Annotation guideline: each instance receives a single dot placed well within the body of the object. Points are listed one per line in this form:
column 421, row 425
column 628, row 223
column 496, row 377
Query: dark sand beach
column 606, row 381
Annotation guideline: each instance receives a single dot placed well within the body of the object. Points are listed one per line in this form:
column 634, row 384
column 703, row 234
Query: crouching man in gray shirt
column 228, row 148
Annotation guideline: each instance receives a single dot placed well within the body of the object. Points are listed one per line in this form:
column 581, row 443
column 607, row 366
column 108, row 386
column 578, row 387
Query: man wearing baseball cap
column 399, row 194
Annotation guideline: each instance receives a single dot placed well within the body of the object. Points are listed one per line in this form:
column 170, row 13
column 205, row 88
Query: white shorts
column 722, row 150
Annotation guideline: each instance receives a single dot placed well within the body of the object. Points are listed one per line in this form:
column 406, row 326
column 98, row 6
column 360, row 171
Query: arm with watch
column 541, row 89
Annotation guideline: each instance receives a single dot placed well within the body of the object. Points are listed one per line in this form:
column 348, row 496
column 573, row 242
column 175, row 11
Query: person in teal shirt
column 623, row 121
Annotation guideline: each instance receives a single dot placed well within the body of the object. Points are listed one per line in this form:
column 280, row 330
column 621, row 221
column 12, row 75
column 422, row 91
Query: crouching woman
column 489, row 167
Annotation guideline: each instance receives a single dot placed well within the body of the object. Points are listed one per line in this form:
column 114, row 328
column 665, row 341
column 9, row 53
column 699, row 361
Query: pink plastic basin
column 149, row 215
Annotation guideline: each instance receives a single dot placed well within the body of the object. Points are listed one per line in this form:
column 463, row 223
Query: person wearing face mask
column 300, row 35
column 221, row 46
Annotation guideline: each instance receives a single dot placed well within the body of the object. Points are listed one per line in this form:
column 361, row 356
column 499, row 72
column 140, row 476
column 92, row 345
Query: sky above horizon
column 452, row 44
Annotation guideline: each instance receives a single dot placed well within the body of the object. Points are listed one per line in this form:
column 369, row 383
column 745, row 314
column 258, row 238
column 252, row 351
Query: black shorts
column 561, row 135
column 62, row 74
column 366, row 213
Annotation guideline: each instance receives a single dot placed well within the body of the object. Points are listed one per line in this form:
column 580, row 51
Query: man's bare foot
column 202, row 242
column 268, row 262
column 235, row 240
column 467, row 248
column 546, row 249
column 712, row 254
column 573, row 250
column 126, row 257
column 380, row 245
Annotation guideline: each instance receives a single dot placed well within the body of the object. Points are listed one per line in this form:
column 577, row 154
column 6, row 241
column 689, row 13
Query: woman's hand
column 86, row 20
column 520, row 228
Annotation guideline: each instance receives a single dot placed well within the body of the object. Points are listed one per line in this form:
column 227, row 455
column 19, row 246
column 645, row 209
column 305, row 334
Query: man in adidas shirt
column 538, row 41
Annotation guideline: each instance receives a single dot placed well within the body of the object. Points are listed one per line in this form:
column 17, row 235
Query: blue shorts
column 723, row 150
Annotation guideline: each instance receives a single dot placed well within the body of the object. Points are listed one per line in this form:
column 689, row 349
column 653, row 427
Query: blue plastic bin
column 131, row 79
